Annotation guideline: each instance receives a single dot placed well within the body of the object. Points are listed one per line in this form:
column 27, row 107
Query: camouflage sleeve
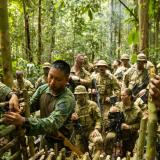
column 52, row 123
column 30, row 88
column 4, row 91
column 125, row 81
column 115, row 85
column 97, row 116
column 134, row 127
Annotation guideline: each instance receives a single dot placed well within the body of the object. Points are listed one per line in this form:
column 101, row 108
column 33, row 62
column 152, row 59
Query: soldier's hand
column 95, row 133
column 14, row 103
column 154, row 90
column 14, row 118
column 124, row 126
column 74, row 117
column 107, row 99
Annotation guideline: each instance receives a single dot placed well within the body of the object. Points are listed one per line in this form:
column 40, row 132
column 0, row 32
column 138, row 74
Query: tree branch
column 129, row 10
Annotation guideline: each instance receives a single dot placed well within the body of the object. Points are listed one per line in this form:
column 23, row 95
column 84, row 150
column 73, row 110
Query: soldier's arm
column 125, row 81
column 97, row 116
column 136, row 125
column 52, row 123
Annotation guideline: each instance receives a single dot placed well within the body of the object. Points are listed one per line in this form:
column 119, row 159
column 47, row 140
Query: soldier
column 43, row 79
column 78, row 73
column 128, row 129
column 87, row 65
column 107, row 85
column 56, row 104
column 136, row 76
column 125, row 65
column 20, row 83
column 87, row 119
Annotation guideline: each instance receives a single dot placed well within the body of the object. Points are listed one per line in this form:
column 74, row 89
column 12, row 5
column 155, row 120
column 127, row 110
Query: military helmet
column 125, row 56
column 46, row 65
column 101, row 63
column 80, row 89
column 141, row 57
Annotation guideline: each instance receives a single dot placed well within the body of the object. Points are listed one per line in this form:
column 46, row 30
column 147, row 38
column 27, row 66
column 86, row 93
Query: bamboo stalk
column 141, row 139
column 38, row 154
column 27, row 114
column 152, row 131
column 50, row 156
column 7, row 146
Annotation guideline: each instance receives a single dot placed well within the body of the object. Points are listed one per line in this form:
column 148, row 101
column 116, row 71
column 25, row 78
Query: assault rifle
column 113, row 100
column 116, row 119
column 138, row 87
column 94, row 85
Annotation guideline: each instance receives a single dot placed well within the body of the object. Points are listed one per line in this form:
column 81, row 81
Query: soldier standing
column 107, row 86
column 20, row 83
column 56, row 104
column 129, row 126
column 125, row 65
column 136, row 75
column 44, row 78
column 87, row 119
column 78, row 73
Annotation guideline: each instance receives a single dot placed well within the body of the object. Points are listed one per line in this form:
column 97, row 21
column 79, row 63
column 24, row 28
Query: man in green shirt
column 55, row 102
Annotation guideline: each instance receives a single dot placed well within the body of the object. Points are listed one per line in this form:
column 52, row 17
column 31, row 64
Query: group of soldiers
column 108, row 108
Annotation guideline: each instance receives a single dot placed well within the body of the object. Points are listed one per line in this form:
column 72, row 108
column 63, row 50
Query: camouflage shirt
column 132, row 115
column 107, row 85
column 133, row 76
column 4, row 91
column 55, row 111
column 89, row 115
column 26, row 84
column 41, row 80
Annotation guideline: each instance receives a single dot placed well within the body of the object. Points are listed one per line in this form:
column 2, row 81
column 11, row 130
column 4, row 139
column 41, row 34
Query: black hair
column 62, row 65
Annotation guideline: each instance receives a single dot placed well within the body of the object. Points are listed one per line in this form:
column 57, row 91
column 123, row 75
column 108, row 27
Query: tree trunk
column 111, row 29
column 143, row 26
column 119, row 31
column 27, row 34
column 5, row 44
column 53, row 32
column 39, row 33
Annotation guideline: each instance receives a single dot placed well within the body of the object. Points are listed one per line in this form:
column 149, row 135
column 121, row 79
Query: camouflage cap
column 101, row 63
column 46, row 65
column 141, row 57
column 125, row 56
column 80, row 89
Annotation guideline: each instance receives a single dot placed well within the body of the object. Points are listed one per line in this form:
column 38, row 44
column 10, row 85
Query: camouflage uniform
column 119, row 73
column 26, row 84
column 158, row 68
column 82, row 74
column 107, row 86
column 4, row 92
column 55, row 114
column 89, row 119
column 44, row 78
column 132, row 117
column 134, row 76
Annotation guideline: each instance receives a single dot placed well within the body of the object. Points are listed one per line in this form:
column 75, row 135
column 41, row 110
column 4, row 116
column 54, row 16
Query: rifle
column 138, row 87
column 68, row 144
column 94, row 84
column 113, row 100
column 116, row 119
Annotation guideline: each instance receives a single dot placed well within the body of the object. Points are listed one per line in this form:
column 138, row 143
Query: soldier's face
column 125, row 97
column 101, row 69
column 81, row 99
column 140, row 64
column 57, row 80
